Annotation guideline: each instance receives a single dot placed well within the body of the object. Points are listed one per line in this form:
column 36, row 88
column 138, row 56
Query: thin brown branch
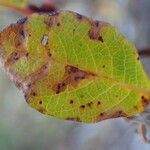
column 42, row 9
column 144, row 52
column 46, row 7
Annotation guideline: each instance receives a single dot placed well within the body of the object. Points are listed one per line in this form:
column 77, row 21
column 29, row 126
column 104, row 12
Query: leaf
column 14, row 3
column 74, row 68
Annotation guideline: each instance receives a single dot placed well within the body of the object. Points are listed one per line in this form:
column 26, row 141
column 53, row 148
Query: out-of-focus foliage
column 14, row 3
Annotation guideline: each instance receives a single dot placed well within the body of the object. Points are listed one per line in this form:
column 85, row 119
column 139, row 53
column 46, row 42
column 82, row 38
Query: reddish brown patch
column 73, row 76
column 94, row 32
column 34, row 94
column 17, row 36
column 39, row 74
column 14, row 57
column 29, row 92
column 27, row 55
column 104, row 116
column 52, row 20
column 60, row 87
column 20, row 36
column 29, row 82
column 145, row 101
column 48, row 21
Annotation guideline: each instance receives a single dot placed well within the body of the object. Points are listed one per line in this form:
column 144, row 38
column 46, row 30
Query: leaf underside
column 74, row 68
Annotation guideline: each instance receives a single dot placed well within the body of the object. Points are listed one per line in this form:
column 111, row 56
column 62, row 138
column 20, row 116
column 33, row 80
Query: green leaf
column 74, row 68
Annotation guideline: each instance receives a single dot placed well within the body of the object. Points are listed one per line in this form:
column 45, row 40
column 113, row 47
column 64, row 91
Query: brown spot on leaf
column 29, row 92
column 40, row 73
column 100, row 39
column 51, row 20
column 98, row 103
column 29, row 82
column 118, row 113
column 15, row 34
column 40, row 102
column 22, row 33
column 82, row 106
column 60, row 87
column 94, row 32
column 58, row 24
column 20, row 36
column 34, row 94
column 14, row 57
column 104, row 116
column 49, row 53
column 89, row 104
column 73, row 76
column 70, row 69
column 71, row 101
column 145, row 101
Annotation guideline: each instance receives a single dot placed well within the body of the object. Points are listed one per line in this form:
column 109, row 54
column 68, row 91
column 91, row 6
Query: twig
column 46, row 7
column 144, row 52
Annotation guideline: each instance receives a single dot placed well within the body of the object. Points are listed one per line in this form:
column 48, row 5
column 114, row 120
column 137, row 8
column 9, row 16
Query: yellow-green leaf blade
column 72, row 67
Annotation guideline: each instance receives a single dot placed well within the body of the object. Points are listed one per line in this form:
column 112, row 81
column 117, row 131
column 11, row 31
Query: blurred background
column 22, row 128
